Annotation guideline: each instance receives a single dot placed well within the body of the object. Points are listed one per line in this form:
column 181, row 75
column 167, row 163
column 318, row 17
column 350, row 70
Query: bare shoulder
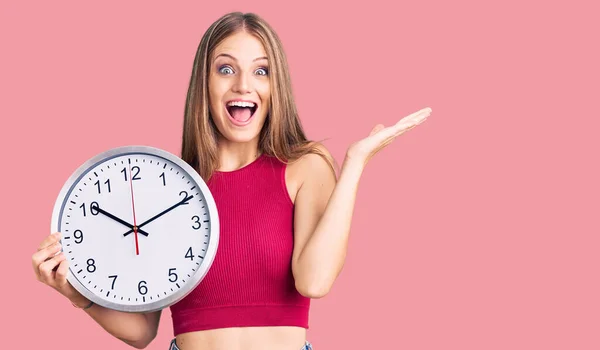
column 309, row 167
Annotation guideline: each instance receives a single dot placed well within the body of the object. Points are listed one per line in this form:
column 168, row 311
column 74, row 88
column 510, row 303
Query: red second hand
column 137, row 248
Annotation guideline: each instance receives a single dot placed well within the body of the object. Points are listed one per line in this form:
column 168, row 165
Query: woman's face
column 238, row 87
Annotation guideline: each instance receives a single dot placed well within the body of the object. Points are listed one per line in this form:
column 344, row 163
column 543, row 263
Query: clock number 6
column 142, row 286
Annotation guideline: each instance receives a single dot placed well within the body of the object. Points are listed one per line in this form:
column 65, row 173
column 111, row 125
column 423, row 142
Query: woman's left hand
column 362, row 151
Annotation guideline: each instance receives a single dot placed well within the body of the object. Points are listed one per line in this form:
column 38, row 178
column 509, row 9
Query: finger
column 61, row 272
column 43, row 255
column 49, row 240
column 415, row 118
column 47, row 268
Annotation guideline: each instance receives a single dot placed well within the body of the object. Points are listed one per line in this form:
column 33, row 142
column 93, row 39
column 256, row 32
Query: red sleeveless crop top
column 250, row 282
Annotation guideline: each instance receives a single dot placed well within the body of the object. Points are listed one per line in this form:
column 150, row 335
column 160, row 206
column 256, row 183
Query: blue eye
column 226, row 70
column 262, row 71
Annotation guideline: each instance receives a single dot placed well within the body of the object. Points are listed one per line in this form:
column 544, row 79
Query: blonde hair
column 282, row 135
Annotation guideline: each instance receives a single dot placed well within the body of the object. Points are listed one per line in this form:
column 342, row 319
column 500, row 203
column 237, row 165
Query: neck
column 235, row 155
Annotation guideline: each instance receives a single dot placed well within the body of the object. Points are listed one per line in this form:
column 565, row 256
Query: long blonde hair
column 282, row 135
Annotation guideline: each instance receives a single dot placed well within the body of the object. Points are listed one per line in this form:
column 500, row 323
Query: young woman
column 284, row 214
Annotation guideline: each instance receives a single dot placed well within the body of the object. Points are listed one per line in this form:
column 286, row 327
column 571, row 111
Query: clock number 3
column 196, row 219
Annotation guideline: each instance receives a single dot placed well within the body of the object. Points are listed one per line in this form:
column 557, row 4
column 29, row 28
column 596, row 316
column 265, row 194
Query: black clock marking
column 177, row 284
column 73, row 202
column 108, row 293
column 95, row 174
column 192, row 188
column 79, row 271
column 164, row 167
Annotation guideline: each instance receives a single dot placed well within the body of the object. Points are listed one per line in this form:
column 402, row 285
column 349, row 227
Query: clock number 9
column 78, row 237
column 93, row 205
column 142, row 288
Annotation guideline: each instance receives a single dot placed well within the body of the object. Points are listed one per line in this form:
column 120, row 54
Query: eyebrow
column 235, row 59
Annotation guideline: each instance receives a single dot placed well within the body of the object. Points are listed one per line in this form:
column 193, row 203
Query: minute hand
column 183, row 201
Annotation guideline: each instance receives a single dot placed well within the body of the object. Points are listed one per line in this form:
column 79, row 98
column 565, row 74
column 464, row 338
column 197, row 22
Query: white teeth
column 240, row 104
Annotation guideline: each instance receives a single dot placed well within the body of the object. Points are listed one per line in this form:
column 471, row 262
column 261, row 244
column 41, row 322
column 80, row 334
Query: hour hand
column 121, row 221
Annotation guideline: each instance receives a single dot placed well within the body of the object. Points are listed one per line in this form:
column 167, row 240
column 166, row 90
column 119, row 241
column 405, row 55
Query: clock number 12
column 137, row 172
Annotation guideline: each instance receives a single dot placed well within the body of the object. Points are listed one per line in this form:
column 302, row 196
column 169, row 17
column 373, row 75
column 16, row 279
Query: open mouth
column 241, row 112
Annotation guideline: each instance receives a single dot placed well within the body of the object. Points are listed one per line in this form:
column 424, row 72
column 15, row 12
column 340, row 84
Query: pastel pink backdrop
column 476, row 230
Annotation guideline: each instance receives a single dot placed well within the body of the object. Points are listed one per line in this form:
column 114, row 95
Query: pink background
column 476, row 230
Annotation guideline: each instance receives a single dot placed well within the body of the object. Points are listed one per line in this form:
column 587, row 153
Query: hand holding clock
column 51, row 266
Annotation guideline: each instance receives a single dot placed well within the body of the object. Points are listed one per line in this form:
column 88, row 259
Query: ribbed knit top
column 250, row 282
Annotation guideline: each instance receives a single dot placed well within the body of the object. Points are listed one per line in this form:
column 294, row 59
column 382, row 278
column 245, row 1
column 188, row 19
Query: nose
column 242, row 84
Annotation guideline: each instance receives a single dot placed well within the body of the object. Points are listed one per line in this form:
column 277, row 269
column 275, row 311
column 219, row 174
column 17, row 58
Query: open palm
column 381, row 136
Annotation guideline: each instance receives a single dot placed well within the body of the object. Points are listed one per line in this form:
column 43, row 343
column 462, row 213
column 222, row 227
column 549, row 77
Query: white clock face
column 139, row 228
